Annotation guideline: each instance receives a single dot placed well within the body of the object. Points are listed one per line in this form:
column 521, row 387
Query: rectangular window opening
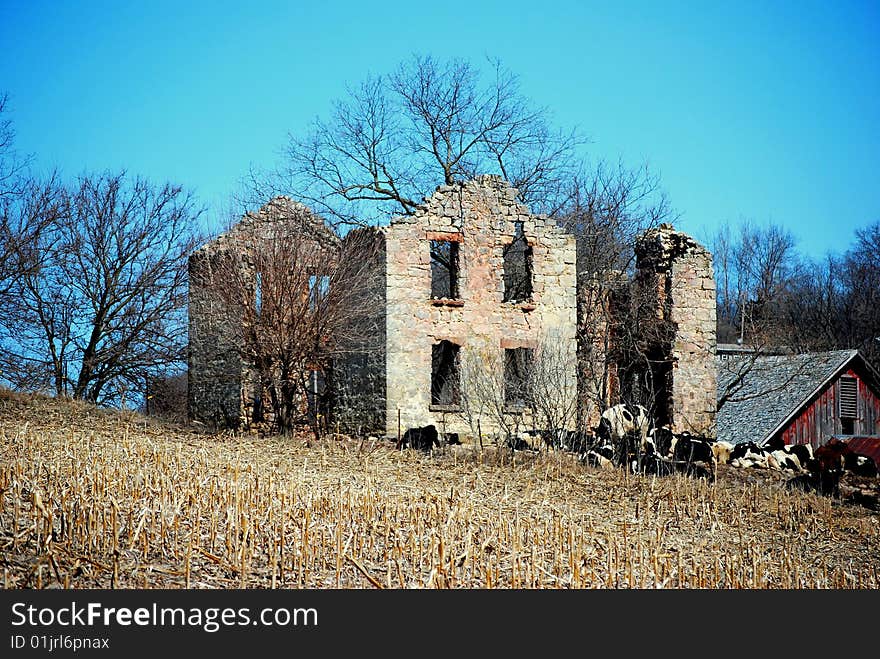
column 444, row 269
column 444, row 374
column 258, row 293
column 517, row 367
column 319, row 285
column 518, row 267
column 315, row 392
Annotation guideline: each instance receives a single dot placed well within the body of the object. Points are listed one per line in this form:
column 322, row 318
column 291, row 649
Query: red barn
column 804, row 399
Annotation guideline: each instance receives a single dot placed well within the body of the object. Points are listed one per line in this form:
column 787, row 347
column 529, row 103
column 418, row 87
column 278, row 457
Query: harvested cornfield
column 99, row 499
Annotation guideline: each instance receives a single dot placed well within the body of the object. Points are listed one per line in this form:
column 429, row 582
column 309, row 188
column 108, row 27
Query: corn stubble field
column 99, row 499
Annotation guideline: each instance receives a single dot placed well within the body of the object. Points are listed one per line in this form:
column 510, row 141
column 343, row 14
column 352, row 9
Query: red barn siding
column 820, row 419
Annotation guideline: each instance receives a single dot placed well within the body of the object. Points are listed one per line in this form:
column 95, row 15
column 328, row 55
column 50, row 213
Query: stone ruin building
column 466, row 296
column 222, row 388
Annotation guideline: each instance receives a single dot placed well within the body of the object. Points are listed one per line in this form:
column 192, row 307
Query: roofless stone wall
column 481, row 219
column 221, row 387
column 679, row 272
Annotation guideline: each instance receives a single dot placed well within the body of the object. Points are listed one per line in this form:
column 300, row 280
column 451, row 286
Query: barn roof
column 769, row 390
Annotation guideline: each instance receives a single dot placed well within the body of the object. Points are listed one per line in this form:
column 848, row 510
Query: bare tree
column 36, row 330
column 551, row 386
column 862, row 264
column 12, row 164
column 486, row 395
column 838, row 305
column 394, row 138
column 755, row 272
column 98, row 305
column 13, row 228
column 522, row 389
column 606, row 209
column 292, row 295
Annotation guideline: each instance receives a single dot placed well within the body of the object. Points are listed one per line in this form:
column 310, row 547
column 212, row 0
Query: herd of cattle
column 625, row 439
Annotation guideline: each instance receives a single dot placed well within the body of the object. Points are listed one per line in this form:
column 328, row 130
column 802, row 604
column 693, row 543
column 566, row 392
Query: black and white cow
column 667, row 453
column 689, row 448
column 782, row 460
column 525, row 440
column 601, row 456
column 625, row 427
column 791, row 458
column 423, row 438
column 774, row 454
column 661, row 441
column 803, row 452
column 748, row 455
column 623, row 419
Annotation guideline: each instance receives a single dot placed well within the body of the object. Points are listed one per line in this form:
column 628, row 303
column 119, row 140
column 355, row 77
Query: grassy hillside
column 97, row 499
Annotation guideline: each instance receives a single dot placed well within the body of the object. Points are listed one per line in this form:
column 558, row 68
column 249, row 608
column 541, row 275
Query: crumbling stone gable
column 221, row 386
column 481, row 218
column 676, row 273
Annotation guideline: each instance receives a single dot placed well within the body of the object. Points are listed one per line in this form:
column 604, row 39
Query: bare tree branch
column 100, row 292
column 394, row 139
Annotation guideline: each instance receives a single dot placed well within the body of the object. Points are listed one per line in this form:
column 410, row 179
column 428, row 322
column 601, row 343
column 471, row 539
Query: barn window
column 848, row 400
column 517, row 364
column 444, row 269
column 517, row 267
column 444, row 374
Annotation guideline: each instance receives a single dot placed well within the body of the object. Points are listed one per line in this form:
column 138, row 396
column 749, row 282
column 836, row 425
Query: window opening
column 444, row 269
column 444, row 374
column 517, row 365
column 517, row 267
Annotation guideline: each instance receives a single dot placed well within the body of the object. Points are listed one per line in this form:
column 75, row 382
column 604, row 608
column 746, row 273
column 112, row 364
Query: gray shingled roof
column 773, row 388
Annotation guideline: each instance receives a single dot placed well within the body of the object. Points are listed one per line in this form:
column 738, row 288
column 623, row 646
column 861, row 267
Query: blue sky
column 768, row 110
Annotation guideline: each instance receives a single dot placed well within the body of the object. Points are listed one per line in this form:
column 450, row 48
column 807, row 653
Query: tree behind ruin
column 390, row 141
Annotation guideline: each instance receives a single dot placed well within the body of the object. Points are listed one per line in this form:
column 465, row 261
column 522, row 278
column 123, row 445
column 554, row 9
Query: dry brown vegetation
column 97, row 499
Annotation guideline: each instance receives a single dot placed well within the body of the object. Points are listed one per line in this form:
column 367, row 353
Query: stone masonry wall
column 685, row 294
column 382, row 373
column 480, row 216
column 221, row 387
column 215, row 369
